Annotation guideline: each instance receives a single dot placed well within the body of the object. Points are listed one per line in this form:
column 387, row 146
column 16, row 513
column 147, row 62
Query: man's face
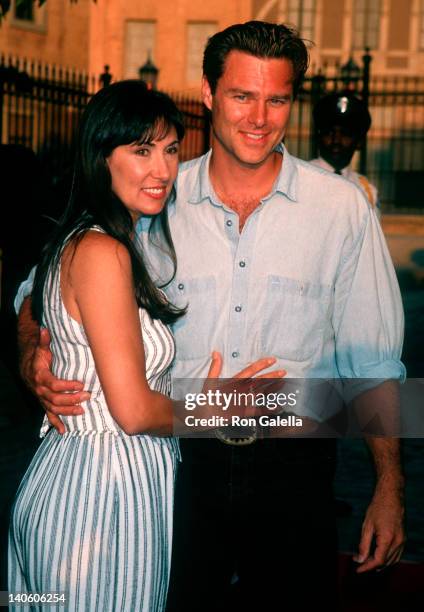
column 337, row 144
column 250, row 107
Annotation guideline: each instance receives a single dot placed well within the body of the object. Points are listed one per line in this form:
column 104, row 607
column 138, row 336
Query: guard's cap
column 342, row 109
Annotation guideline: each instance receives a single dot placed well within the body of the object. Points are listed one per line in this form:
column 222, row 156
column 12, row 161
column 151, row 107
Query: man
column 269, row 264
column 342, row 121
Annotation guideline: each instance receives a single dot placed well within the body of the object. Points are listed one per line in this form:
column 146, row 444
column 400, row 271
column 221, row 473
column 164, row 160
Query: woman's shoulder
column 96, row 249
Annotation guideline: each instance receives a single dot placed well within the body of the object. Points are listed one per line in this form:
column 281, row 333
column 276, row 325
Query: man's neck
column 241, row 187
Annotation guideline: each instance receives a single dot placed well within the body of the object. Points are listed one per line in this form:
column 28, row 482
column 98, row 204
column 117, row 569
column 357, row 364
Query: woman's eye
column 142, row 152
column 173, row 150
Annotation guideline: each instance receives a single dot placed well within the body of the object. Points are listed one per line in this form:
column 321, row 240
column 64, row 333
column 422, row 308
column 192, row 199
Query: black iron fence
column 196, row 139
column 40, row 108
column 393, row 154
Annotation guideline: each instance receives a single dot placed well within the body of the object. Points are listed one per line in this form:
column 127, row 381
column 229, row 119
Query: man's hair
column 260, row 39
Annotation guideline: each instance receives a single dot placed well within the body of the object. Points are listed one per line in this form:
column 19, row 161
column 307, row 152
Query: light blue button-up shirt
column 309, row 280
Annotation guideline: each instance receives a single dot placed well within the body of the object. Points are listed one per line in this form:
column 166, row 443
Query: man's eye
column 241, row 97
column 277, row 101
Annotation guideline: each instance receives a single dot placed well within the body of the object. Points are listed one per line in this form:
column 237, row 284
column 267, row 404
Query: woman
column 93, row 515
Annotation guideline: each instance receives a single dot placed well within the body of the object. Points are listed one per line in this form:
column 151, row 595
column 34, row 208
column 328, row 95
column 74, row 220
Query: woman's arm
column 98, row 291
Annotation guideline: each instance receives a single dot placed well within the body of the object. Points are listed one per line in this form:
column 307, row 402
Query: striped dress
column 93, row 514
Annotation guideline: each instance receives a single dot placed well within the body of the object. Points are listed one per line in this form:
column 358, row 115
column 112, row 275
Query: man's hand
column 58, row 397
column 384, row 522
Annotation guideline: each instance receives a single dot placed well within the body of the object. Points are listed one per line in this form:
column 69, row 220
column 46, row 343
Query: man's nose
column 336, row 139
column 258, row 113
column 336, row 136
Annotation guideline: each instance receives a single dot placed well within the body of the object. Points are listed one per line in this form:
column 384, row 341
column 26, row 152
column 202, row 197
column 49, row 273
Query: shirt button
column 229, row 223
column 242, row 264
column 234, row 354
column 181, row 286
column 237, row 308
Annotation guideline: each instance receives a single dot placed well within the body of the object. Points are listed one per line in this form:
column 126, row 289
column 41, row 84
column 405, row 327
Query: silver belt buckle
column 229, row 436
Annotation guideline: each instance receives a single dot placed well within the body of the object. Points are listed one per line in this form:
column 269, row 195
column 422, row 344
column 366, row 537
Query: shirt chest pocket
column 296, row 314
column 193, row 332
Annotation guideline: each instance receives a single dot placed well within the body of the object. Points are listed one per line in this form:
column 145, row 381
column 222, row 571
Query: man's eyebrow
column 238, row 90
column 283, row 96
column 246, row 92
column 280, row 96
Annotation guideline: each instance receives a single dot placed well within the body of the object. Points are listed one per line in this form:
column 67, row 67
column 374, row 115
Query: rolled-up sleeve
column 368, row 315
column 25, row 289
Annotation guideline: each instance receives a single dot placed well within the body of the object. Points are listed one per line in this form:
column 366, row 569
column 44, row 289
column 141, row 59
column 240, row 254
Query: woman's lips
column 154, row 192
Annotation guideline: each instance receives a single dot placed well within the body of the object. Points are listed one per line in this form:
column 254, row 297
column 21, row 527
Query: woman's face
column 143, row 175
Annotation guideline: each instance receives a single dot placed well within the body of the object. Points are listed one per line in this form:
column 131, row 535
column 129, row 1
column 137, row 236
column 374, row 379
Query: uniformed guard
column 342, row 121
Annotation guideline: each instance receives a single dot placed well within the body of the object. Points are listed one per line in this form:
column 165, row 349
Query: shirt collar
column 285, row 183
column 202, row 188
column 346, row 171
column 287, row 179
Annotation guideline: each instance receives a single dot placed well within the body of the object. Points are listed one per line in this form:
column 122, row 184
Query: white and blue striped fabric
column 93, row 514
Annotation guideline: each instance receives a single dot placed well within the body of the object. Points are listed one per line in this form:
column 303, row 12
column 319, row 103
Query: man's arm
column 369, row 324
column 58, row 397
column 383, row 523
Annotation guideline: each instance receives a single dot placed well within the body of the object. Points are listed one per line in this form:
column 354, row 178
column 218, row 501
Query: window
column 29, row 16
column 24, row 10
column 139, row 44
column 366, row 23
column 301, row 13
column 197, row 35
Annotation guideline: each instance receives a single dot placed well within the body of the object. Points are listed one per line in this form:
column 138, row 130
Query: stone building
column 87, row 35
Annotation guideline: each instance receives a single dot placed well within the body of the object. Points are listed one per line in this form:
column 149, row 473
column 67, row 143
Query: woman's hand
column 225, row 395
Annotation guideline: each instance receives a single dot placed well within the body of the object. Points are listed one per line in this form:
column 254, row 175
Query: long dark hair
column 123, row 113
